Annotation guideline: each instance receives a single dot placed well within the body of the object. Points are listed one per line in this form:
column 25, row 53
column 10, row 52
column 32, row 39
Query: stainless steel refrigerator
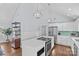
column 49, row 31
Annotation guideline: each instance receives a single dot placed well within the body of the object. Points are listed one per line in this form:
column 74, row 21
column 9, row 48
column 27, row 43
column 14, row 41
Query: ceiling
column 59, row 12
column 63, row 11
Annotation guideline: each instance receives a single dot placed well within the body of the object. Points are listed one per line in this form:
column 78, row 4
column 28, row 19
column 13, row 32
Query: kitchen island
column 31, row 47
column 38, row 46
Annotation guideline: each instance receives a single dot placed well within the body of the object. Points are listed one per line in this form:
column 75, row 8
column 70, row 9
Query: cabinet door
column 78, row 52
column 75, row 50
column 64, row 40
column 75, row 26
column 68, row 26
column 78, row 27
column 60, row 40
column 59, row 25
column 52, row 42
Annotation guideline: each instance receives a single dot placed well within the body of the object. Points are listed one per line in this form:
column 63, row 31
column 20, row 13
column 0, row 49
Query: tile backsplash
column 67, row 33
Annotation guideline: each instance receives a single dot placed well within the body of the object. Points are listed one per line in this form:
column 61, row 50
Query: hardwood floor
column 59, row 50
column 9, row 51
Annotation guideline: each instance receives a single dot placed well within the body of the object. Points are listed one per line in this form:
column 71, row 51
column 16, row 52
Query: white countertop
column 30, row 47
column 33, row 43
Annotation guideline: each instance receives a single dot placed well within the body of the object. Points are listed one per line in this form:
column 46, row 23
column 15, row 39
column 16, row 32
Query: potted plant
column 7, row 32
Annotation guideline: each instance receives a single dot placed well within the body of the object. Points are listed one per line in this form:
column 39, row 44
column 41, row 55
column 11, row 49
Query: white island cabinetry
column 31, row 47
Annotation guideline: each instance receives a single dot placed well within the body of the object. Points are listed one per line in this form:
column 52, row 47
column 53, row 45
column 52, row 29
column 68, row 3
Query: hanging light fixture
column 49, row 20
column 49, row 13
column 37, row 13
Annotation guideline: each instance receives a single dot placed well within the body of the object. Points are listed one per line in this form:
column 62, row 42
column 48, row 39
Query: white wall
column 6, row 13
column 29, row 24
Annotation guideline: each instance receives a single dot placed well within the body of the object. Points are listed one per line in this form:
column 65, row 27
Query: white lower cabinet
column 76, row 50
column 52, row 45
column 64, row 40
column 72, row 46
column 32, row 47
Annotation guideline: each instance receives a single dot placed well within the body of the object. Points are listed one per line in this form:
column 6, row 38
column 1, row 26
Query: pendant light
column 49, row 13
column 37, row 13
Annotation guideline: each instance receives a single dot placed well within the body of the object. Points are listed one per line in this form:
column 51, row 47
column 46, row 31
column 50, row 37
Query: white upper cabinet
column 76, row 25
column 59, row 25
column 70, row 26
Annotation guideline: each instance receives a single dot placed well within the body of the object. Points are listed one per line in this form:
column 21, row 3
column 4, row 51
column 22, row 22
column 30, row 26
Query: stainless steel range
column 47, row 45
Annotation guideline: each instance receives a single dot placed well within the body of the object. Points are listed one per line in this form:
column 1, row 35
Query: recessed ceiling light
column 49, row 4
column 69, row 9
column 67, row 14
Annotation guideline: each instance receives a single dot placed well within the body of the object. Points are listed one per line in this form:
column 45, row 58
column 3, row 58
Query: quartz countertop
column 33, row 43
column 30, row 47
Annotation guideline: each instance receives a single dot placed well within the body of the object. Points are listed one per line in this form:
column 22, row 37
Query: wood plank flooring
column 9, row 51
column 58, row 50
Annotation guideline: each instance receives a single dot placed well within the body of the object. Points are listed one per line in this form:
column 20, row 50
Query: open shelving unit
column 16, row 28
